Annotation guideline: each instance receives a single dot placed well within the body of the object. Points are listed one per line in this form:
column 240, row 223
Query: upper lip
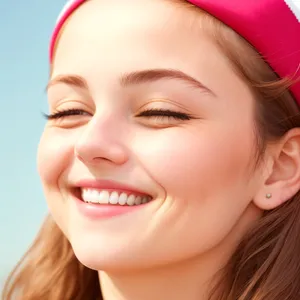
column 108, row 184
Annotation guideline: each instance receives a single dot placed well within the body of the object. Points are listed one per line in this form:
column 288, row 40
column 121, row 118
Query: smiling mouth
column 111, row 197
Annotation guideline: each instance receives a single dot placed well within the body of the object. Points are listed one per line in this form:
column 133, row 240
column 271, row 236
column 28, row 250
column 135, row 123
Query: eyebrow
column 134, row 78
column 73, row 80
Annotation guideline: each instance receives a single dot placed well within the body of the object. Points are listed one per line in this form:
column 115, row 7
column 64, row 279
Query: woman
column 171, row 157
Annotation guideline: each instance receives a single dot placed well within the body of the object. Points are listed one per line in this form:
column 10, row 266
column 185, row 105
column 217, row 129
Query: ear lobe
column 283, row 181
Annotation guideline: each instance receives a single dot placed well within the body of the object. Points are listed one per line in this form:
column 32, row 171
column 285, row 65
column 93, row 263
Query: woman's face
column 115, row 65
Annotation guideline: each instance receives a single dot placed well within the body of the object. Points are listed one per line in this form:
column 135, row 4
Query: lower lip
column 100, row 211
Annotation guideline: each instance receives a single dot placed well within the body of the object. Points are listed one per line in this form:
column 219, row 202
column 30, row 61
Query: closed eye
column 164, row 113
column 66, row 113
column 157, row 117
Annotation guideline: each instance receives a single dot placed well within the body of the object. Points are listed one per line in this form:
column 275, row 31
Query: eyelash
column 65, row 113
column 158, row 113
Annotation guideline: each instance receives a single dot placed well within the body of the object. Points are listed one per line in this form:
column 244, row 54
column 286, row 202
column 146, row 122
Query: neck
column 192, row 279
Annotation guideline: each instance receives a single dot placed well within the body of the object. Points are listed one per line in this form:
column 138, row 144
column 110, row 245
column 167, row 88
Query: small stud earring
column 269, row 195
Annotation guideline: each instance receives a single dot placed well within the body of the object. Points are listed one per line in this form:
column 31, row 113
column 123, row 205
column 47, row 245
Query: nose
column 102, row 139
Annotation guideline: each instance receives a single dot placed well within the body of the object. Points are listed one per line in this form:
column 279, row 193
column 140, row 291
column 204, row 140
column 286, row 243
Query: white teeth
column 114, row 198
column 131, row 200
column 94, row 196
column 123, row 199
column 138, row 200
column 105, row 197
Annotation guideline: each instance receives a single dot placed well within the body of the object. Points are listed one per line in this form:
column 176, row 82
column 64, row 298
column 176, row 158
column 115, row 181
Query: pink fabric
column 73, row 6
column 269, row 25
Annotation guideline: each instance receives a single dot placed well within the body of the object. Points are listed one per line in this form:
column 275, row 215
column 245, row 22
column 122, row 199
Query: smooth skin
column 199, row 171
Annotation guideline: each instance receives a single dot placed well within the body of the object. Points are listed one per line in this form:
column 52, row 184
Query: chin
column 91, row 260
column 99, row 256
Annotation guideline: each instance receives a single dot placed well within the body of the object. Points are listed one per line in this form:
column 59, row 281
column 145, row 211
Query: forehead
column 118, row 25
column 148, row 15
column 105, row 38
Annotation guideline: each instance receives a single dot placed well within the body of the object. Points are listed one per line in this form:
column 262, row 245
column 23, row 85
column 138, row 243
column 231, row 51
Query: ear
column 281, row 173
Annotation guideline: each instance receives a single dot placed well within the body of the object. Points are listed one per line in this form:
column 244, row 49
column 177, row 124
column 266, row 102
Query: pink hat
column 271, row 26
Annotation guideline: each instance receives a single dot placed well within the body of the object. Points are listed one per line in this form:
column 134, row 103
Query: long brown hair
column 265, row 265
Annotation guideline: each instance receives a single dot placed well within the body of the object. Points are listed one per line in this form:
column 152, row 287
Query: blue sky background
column 24, row 37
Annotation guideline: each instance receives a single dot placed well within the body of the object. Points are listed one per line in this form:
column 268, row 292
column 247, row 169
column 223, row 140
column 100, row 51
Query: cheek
column 54, row 154
column 204, row 174
column 195, row 161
